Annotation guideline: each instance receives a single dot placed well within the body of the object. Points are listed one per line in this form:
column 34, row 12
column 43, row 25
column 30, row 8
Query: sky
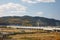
column 41, row 8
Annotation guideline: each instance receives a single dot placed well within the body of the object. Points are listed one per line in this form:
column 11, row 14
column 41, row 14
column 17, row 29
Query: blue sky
column 42, row 8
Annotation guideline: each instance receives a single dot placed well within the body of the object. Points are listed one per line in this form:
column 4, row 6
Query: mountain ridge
column 28, row 21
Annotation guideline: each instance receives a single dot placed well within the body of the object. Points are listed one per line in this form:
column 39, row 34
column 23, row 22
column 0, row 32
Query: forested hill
column 28, row 21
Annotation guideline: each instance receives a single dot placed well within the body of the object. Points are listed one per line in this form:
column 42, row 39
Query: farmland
column 27, row 34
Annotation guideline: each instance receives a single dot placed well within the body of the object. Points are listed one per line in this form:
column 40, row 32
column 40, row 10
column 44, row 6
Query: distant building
column 13, row 26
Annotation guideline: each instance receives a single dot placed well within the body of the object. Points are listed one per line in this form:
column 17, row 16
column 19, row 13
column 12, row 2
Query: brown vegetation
column 27, row 34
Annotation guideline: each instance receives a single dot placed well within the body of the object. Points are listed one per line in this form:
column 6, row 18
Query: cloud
column 38, row 1
column 11, row 9
column 38, row 14
column 29, row 1
column 46, row 0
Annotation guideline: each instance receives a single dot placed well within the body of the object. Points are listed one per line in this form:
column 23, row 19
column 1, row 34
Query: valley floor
column 27, row 34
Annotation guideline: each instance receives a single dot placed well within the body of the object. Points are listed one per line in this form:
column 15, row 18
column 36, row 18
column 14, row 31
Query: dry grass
column 9, row 30
column 38, row 35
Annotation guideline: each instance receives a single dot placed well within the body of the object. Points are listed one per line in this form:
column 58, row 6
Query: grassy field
column 27, row 34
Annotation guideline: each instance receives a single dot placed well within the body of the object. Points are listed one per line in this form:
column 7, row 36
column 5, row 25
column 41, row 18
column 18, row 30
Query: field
column 28, row 34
